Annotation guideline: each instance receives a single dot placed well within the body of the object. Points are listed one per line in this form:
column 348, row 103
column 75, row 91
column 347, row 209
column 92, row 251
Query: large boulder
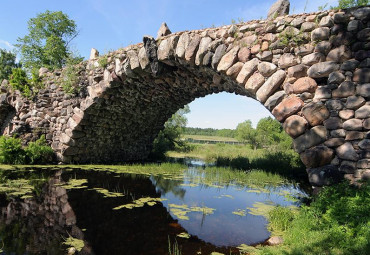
column 280, row 8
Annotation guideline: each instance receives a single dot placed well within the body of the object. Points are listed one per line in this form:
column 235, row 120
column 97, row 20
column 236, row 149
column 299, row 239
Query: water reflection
column 80, row 203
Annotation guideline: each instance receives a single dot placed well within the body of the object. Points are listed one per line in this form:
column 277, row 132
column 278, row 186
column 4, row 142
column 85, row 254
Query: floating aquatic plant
column 184, row 235
column 140, row 203
column 240, row 212
column 75, row 243
column 181, row 211
column 261, row 209
column 74, row 184
column 107, row 193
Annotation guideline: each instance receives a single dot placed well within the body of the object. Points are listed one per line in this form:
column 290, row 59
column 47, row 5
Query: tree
column 169, row 138
column 246, row 133
column 342, row 4
column 47, row 41
column 269, row 129
column 7, row 63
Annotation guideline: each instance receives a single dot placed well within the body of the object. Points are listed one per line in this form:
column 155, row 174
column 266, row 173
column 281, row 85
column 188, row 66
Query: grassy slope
column 210, row 138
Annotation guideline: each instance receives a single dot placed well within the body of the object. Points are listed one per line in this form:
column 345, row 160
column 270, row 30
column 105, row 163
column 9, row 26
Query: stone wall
column 310, row 70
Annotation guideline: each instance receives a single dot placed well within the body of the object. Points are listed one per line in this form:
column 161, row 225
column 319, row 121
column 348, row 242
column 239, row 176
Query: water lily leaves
column 261, row 209
column 107, row 193
column 17, row 188
column 189, row 184
column 181, row 211
column 140, row 203
column 240, row 212
column 75, row 243
column 184, row 235
column 74, row 184
column 217, row 253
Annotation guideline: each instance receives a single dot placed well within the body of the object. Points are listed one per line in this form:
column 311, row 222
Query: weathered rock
column 340, row 54
column 219, row 53
column 166, row 49
column 266, row 68
column 312, row 137
column 364, row 144
column 192, row 49
column 363, row 163
column 322, row 92
column 345, row 89
column 182, row 44
column 352, row 124
column 362, row 75
column 265, row 55
column 279, row 8
column 340, row 17
column 338, row 133
column 364, row 35
column 354, row 135
column 297, row 71
column 234, row 70
column 333, row 123
column 295, row 125
column 270, row 86
column 325, row 175
column 94, row 53
column 313, row 58
column 247, row 70
column 287, row 60
column 366, row 123
column 334, row 142
column 349, row 65
column 322, row 69
column 315, row 113
column 320, row 34
column 336, row 78
column 290, row 105
column 317, row 156
column 228, row 59
column 362, row 13
column 202, row 51
column 308, row 26
column 275, row 99
column 163, row 30
column 347, row 152
column 244, row 54
column 363, row 112
column 323, row 47
column 305, row 84
column 254, row 83
column 275, row 240
column 353, row 25
column 354, row 102
column 363, row 90
column 326, row 21
column 346, row 114
column 347, row 167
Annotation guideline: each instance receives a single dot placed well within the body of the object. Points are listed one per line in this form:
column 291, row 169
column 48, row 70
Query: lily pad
column 184, row 235
column 75, row 243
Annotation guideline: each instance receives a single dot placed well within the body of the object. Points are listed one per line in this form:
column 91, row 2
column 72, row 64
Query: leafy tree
column 18, row 80
column 269, row 130
column 169, row 137
column 7, row 63
column 47, row 41
column 342, row 4
column 246, row 133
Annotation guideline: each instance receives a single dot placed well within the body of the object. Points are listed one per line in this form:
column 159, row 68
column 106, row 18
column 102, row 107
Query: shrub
column 18, row 80
column 39, row 152
column 11, row 151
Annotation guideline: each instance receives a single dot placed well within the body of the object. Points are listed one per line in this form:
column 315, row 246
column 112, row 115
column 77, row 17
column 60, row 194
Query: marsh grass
column 336, row 222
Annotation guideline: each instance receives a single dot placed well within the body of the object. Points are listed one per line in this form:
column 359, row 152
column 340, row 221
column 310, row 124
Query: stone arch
column 310, row 70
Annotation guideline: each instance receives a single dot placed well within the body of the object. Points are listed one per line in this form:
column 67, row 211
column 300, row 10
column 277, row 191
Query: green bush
column 11, row 151
column 39, row 152
column 18, row 80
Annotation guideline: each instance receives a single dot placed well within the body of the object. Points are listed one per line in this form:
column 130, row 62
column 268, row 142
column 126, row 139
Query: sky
column 111, row 24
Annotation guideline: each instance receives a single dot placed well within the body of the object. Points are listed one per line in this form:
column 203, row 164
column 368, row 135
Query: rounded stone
column 295, row 125
column 305, row 84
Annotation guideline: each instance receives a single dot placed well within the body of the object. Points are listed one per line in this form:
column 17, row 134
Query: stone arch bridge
column 312, row 71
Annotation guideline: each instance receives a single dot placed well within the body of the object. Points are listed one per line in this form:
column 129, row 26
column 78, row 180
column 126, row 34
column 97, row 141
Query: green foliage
column 210, row 132
column 70, row 76
column 39, row 152
column 169, row 138
column 7, row 63
column 103, row 61
column 336, row 222
column 47, row 41
column 290, row 38
column 11, row 151
column 342, row 4
column 18, row 80
column 246, row 133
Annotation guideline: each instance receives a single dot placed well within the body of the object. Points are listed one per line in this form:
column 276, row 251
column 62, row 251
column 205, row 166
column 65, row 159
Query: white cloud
column 7, row 44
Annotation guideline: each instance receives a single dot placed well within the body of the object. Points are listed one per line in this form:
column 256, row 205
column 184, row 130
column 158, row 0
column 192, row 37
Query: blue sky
column 111, row 24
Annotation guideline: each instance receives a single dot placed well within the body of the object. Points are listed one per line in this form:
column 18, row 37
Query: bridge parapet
column 312, row 71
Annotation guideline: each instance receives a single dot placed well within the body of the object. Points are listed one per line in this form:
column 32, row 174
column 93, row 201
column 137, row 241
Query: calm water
column 134, row 210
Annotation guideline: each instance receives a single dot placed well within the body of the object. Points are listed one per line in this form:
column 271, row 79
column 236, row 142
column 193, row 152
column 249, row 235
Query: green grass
column 336, row 222
column 210, row 138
